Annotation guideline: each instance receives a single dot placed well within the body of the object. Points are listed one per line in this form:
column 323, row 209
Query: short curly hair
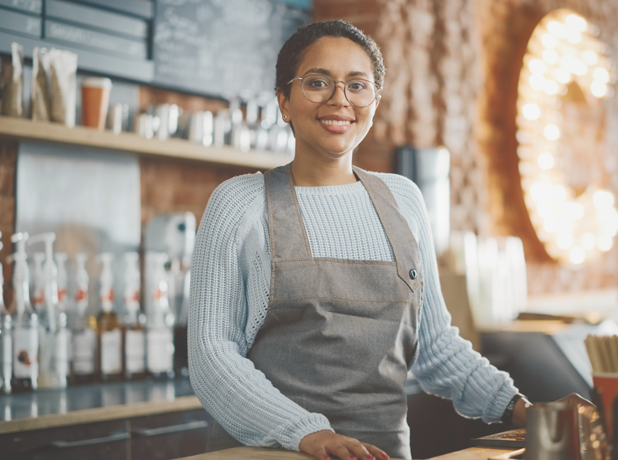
column 293, row 50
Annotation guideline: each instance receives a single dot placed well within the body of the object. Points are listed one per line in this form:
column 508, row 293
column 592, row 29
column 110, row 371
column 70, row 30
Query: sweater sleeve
column 446, row 364
column 227, row 384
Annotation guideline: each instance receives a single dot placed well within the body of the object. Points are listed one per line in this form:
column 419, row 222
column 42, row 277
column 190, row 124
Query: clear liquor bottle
column 83, row 328
column 108, row 326
column 25, row 323
column 6, row 341
column 159, row 320
column 133, row 321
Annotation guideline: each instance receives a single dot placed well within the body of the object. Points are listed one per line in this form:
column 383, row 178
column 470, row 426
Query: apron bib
column 340, row 334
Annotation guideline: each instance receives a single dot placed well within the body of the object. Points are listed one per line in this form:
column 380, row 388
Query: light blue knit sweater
column 230, row 283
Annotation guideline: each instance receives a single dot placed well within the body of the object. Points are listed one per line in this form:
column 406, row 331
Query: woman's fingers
column 326, row 445
column 377, row 453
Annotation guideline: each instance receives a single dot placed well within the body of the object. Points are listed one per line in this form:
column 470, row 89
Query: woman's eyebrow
column 317, row 70
column 354, row 73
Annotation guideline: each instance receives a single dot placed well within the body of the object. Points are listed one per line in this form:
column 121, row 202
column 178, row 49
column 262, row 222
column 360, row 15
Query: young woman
column 315, row 286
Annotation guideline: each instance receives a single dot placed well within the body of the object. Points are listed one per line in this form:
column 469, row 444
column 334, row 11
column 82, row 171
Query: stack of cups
column 95, row 102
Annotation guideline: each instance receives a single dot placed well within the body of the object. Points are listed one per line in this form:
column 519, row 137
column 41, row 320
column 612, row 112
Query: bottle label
column 135, row 351
column 25, row 353
column 160, row 343
column 53, row 356
column 81, row 295
column 84, row 347
column 131, row 296
column 60, row 361
column 111, row 352
column 39, row 299
column 7, row 355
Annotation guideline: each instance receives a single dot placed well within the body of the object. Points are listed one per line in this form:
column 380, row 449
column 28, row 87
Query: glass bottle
column 133, row 321
column 63, row 301
column 109, row 326
column 53, row 333
column 83, row 328
column 25, row 323
column 159, row 320
column 38, row 285
column 181, row 355
column 6, row 341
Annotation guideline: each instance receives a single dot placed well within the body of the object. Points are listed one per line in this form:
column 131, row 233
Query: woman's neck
column 310, row 172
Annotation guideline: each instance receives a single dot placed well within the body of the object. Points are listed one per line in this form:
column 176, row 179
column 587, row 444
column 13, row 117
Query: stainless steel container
column 201, row 128
column 552, row 432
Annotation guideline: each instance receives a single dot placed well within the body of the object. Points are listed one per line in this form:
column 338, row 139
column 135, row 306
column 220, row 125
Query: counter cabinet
column 158, row 436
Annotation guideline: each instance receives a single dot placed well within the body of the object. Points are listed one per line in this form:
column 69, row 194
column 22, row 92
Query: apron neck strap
column 288, row 236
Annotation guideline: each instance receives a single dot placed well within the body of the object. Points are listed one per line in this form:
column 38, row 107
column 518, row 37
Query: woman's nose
column 338, row 98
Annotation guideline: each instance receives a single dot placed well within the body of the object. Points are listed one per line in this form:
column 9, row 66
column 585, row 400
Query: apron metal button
column 413, row 274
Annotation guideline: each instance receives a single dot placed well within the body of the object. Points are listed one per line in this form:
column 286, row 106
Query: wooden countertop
column 258, row 453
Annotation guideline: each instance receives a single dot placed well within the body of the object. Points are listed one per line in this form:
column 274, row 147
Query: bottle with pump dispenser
column 63, row 280
column 6, row 340
column 25, row 322
column 109, row 327
column 53, row 334
column 38, row 285
column 63, row 306
column 133, row 321
column 159, row 320
column 83, row 328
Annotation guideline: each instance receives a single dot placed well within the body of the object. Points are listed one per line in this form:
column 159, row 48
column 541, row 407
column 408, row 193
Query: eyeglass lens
column 359, row 93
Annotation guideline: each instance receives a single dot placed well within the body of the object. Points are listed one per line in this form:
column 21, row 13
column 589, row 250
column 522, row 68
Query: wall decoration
column 562, row 131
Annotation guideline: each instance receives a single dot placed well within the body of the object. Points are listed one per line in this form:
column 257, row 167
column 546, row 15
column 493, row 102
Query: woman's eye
column 357, row 86
column 315, row 83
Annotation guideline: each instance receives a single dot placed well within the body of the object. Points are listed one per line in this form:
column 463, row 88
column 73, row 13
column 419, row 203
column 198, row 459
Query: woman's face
column 318, row 126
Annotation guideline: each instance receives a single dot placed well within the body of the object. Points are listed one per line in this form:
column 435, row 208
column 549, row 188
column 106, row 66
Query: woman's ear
column 284, row 105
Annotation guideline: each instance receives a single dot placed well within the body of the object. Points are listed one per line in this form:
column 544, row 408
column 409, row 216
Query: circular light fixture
column 575, row 225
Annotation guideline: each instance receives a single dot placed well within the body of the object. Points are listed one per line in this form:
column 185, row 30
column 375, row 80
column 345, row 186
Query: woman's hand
column 521, row 408
column 324, row 444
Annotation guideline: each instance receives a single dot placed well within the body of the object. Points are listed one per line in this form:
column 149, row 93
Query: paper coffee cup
column 95, row 101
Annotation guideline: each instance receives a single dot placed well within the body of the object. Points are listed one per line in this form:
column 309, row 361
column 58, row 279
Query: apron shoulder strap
column 405, row 247
column 288, row 237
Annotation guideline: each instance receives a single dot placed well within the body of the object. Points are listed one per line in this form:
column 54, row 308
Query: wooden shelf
column 23, row 129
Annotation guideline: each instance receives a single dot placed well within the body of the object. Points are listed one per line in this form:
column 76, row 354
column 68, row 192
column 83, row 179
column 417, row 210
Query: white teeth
column 335, row 122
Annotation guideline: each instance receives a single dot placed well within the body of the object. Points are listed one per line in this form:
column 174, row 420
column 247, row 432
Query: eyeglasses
column 321, row 88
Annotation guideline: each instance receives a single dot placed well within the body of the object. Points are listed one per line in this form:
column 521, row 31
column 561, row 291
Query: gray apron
column 340, row 334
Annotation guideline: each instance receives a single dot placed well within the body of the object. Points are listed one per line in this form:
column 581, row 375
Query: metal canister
column 552, row 432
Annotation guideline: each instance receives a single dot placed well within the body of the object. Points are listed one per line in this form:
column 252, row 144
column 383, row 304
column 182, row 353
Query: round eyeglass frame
column 345, row 88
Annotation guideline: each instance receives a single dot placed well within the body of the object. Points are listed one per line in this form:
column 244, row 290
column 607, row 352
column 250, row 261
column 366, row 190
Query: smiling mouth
column 335, row 122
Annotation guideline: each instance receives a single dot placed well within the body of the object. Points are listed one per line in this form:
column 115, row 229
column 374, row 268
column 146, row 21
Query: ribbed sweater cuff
column 500, row 400
column 292, row 434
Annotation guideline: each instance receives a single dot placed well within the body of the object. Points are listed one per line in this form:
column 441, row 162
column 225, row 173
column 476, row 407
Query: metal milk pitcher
column 552, row 432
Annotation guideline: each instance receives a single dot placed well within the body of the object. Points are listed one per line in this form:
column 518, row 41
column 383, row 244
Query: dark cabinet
column 167, row 436
column 154, row 437
column 90, row 440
